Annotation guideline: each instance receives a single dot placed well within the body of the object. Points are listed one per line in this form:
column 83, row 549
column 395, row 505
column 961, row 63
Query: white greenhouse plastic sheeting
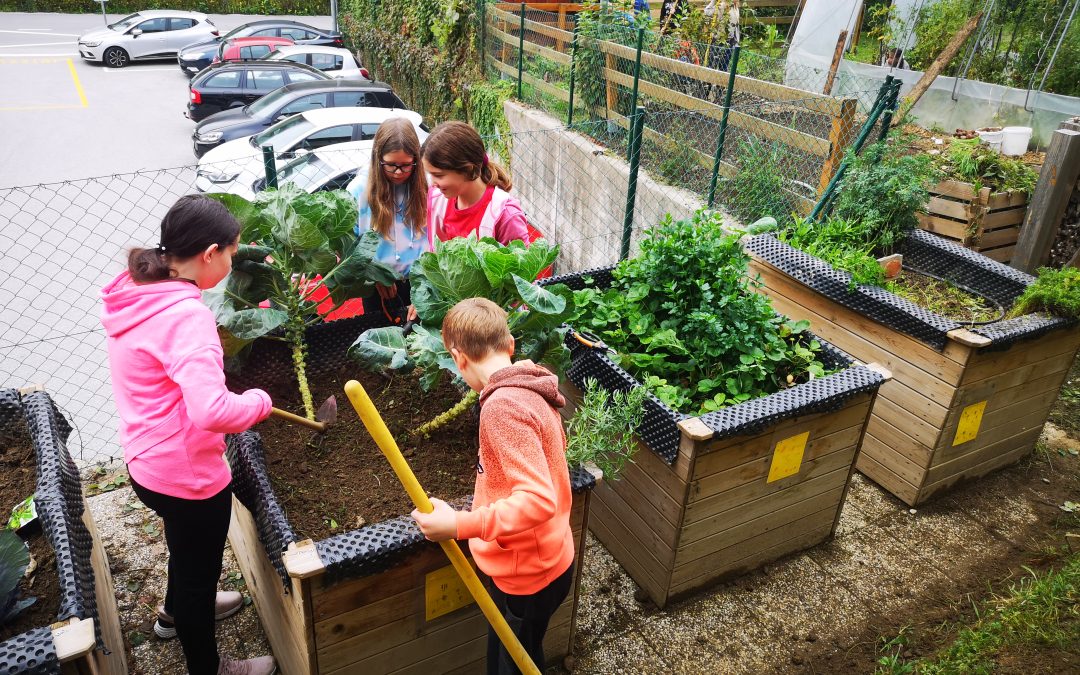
column 977, row 104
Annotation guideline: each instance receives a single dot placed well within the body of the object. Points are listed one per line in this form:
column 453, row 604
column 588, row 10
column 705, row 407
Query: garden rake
column 324, row 417
column 385, row 440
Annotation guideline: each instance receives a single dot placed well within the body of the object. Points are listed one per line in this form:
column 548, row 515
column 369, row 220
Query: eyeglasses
column 390, row 167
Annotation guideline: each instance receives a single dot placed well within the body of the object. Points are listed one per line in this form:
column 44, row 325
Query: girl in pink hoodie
column 168, row 380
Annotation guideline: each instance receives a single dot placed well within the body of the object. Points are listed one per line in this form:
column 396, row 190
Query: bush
column 270, row 7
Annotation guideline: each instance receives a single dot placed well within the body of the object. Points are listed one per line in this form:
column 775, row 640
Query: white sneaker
column 226, row 604
column 262, row 665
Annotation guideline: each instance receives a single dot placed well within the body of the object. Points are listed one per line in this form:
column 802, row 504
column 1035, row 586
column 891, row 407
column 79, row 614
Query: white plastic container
column 1015, row 140
column 992, row 138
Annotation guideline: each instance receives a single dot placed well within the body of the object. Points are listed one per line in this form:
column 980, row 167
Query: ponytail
column 192, row 225
column 493, row 174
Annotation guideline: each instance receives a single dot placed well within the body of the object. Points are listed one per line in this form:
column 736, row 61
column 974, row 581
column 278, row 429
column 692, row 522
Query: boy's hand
column 440, row 524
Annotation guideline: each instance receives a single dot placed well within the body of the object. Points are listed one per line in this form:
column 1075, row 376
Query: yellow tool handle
column 296, row 419
column 385, row 440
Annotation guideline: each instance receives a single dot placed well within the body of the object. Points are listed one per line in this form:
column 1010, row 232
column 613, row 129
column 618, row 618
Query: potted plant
column 751, row 423
column 340, row 575
column 67, row 620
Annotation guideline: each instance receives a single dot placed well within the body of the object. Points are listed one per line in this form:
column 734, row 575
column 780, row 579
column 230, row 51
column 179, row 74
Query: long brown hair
column 190, row 226
column 456, row 146
column 396, row 135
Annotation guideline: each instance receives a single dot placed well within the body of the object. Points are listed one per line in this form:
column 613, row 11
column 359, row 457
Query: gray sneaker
column 262, row 665
column 226, row 604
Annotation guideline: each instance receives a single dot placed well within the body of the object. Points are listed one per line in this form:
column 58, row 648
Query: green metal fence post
column 637, row 69
column 573, row 67
column 723, row 124
column 890, row 106
column 633, row 155
column 270, row 166
column 521, row 49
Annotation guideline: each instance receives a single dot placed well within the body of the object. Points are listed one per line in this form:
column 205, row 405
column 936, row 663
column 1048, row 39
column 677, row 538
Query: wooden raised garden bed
column 377, row 599
column 84, row 635
column 962, row 401
column 977, row 219
column 715, row 496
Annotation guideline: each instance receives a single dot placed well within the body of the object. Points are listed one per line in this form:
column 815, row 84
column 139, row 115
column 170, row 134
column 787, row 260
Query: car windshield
column 306, row 172
column 267, row 103
column 284, row 133
column 125, row 23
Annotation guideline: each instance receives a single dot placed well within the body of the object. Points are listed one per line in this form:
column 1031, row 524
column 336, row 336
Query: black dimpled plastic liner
column 927, row 253
column 59, row 502
column 659, row 427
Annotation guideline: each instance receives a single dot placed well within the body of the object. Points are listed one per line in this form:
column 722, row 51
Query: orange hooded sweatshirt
column 519, row 527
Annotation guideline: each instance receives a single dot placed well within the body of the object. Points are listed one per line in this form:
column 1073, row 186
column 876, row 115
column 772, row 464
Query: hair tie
column 486, row 161
column 160, row 248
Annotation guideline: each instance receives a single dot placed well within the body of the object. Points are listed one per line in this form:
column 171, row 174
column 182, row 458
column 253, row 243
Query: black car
column 195, row 57
column 289, row 100
column 235, row 84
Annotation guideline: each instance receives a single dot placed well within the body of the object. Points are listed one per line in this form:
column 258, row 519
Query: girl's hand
column 411, row 315
column 386, row 292
column 440, row 524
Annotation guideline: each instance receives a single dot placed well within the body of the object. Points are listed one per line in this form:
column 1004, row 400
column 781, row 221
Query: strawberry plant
column 684, row 318
column 302, row 243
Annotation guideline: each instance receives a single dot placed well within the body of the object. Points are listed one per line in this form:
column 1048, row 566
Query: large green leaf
column 454, row 270
column 334, row 212
column 428, row 351
column 248, row 324
column 253, row 227
column 14, row 557
column 381, row 350
column 252, row 252
column 534, row 259
column 539, row 299
column 252, row 282
column 523, row 323
column 356, row 275
column 430, row 306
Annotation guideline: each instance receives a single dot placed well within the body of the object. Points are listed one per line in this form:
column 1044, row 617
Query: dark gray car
column 289, row 100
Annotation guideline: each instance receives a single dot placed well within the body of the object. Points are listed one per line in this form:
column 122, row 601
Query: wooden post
column 838, row 53
column 939, row 63
column 559, row 44
column 1057, row 180
column 843, row 129
column 612, row 96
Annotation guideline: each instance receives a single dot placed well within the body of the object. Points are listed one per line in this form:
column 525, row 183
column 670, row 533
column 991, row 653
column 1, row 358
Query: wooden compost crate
column 715, row 496
column 380, row 599
column 86, row 637
column 984, row 221
column 963, row 401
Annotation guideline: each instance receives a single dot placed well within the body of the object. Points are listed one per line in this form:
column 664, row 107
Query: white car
column 330, row 168
column 240, row 161
column 334, row 61
column 153, row 34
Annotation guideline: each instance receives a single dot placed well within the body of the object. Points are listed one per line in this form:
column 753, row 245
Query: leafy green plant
column 974, row 162
column 1054, row 292
column 485, row 111
column 303, row 243
column 14, row 558
column 891, row 661
column 684, row 318
column 760, row 187
column 601, row 431
column 884, row 190
column 466, row 268
column 845, row 244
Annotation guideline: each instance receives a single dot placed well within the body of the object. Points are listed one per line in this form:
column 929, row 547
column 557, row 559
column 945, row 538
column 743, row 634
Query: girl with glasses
column 392, row 198
column 469, row 193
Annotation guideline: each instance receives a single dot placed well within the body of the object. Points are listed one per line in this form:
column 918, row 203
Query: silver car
column 152, row 34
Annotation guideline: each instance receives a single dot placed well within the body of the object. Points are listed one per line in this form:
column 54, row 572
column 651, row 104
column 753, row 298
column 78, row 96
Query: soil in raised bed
column 944, row 298
column 18, row 467
column 338, row 481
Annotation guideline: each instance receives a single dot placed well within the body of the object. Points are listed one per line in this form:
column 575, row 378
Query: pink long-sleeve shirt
column 166, row 364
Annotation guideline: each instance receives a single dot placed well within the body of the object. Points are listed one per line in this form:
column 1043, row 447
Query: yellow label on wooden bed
column 444, row 591
column 970, row 421
column 787, row 456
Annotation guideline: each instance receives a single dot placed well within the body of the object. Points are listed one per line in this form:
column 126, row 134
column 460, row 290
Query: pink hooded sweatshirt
column 169, row 384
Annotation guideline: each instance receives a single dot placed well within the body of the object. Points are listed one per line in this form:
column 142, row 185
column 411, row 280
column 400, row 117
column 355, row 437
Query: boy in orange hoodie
column 519, row 526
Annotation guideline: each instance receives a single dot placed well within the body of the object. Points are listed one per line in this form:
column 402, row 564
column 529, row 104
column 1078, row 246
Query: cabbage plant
column 14, row 558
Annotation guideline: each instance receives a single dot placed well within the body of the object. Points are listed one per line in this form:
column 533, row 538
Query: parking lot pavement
column 65, row 118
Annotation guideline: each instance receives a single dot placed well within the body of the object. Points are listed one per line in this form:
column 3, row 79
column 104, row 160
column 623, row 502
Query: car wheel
column 115, row 57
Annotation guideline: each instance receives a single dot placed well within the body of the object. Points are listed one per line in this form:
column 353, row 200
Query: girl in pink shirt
column 166, row 367
column 468, row 192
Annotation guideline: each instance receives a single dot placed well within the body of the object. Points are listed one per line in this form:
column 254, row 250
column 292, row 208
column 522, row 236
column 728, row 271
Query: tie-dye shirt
column 406, row 244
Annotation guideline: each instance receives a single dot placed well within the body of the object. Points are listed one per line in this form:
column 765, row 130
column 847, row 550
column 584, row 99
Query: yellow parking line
column 78, row 85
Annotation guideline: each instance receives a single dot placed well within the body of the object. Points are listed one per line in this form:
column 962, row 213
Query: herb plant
column 302, row 243
column 602, row 429
column 466, row 268
column 973, row 162
column 760, row 187
column 14, row 558
column 684, row 318
column 1055, row 292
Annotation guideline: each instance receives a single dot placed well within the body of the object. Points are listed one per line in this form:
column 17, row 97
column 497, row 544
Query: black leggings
column 528, row 616
column 195, row 531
